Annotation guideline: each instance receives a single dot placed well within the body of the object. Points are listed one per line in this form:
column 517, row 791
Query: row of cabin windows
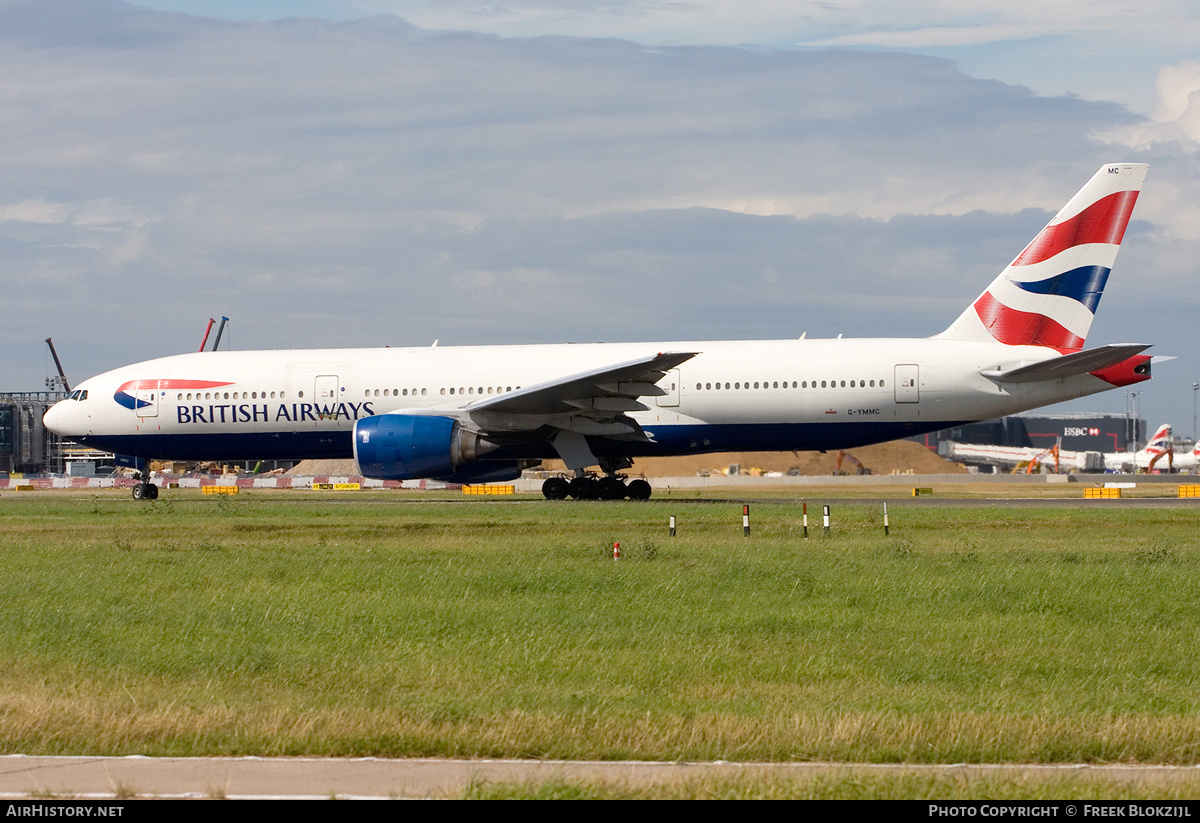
column 414, row 392
column 796, row 384
column 232, row 395
column 394, row 392
column 256, row 395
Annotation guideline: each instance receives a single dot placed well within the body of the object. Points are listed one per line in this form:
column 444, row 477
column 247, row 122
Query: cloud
column 370, row 182
column 1177, row 116
column 35, row 211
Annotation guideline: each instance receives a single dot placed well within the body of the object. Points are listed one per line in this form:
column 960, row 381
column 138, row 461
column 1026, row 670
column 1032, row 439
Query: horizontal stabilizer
column 1069, row 365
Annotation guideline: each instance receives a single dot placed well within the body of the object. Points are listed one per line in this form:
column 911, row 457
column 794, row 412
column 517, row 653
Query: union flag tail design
column 1160, row 442
column 1048, row 295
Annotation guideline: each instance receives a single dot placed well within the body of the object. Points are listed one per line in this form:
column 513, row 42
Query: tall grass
column 273, row 625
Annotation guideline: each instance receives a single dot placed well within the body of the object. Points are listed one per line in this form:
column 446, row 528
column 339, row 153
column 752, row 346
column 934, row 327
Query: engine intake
column 409, row 446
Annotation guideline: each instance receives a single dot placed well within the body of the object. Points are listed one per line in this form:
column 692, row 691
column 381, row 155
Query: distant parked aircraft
column 1157, row 455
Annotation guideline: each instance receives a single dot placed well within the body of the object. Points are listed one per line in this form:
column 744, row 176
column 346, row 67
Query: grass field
column 285, row 623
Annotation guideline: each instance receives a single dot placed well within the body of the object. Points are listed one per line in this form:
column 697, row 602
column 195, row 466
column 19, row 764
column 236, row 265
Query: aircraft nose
column 55, row 418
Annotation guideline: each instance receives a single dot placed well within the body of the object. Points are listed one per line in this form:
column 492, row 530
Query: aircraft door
column 146, row 398
column 670, row 384
column 908, row 383
column 325, row 393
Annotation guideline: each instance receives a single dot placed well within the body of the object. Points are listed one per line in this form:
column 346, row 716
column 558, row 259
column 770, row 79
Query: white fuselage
column 733, row 395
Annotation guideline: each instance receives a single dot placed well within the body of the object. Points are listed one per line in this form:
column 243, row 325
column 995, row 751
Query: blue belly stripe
column 668, row 441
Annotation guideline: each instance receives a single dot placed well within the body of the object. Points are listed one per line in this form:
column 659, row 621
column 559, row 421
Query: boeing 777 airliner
column 477, row 414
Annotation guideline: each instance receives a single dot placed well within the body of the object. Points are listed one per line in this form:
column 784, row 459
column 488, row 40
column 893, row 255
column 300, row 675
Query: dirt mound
column 897, row 457
column 323, row 468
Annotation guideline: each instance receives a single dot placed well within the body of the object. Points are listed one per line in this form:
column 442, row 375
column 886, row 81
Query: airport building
column 1081, row 432
column 25, row 444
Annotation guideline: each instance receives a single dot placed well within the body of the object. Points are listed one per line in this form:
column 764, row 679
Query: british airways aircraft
column 1158, row 453
column 479, row 414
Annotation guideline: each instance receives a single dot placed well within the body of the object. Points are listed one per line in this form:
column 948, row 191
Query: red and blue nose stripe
column 125, row 392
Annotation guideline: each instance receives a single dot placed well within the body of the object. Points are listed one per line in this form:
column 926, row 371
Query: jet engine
column 490, row 471
column 408, row 446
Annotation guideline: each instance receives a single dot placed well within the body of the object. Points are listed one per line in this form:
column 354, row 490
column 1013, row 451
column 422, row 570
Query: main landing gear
column 591, row 487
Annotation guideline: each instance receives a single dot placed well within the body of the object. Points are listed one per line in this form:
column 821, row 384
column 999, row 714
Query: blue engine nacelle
column 409, row 446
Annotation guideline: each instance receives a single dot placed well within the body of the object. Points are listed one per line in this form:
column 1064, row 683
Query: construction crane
column 61, row 374
column 207, row 329
column 220, row 330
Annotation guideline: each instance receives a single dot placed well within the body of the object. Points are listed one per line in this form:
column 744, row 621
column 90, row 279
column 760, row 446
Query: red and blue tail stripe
column 1102, row 222
column 1048, row 295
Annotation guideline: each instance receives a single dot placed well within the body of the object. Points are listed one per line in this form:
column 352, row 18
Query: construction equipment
column 220, row 330
column 61, row 374
column 207, row 329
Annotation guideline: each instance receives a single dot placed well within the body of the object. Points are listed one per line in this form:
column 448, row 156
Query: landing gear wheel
column 581, row 488
column 555, row 488
column 638, row 490
column 610, row 488
column 145, row 491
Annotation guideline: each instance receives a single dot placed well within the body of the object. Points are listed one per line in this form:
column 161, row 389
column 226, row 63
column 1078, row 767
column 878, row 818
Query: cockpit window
column 78, row 394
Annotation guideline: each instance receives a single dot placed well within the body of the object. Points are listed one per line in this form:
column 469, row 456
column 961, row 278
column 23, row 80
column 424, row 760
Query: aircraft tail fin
column 1048, row 295
column 1160, row 441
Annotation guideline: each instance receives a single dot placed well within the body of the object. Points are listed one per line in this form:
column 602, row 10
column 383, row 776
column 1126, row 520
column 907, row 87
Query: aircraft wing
column 1069, row 365
column 610, row 388
column 594, row 402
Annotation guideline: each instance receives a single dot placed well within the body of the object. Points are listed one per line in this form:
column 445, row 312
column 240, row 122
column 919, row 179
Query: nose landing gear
column 145, row 491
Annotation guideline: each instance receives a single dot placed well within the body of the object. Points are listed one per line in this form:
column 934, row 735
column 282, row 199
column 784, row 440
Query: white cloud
column 1176, row 118
column 369, row 182
column 35, row 211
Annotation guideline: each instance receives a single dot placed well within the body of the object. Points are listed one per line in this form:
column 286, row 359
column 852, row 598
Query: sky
column 391, row 172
